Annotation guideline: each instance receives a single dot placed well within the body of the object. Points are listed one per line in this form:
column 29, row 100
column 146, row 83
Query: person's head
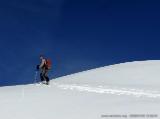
column 41, row 57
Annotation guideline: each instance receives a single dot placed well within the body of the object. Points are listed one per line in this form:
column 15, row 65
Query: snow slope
column 122, row 89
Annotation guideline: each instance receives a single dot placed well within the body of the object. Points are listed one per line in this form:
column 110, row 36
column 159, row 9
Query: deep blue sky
column 76, row 34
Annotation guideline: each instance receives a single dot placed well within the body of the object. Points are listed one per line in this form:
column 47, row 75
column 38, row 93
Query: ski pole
column 35, row 78
column 36, row 74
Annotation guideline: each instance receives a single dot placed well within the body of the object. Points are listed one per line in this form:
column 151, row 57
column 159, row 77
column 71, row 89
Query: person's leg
column 42, row 75
column 46, row 76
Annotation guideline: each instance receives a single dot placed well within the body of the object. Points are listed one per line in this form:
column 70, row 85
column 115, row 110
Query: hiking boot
column 47, row 83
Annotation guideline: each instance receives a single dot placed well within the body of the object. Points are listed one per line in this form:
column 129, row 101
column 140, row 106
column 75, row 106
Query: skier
column 44, row 68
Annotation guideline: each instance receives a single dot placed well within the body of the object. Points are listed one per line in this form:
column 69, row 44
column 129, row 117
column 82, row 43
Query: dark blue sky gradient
column 76, row 34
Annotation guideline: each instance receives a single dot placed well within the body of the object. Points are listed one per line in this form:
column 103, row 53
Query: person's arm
column 42, row 63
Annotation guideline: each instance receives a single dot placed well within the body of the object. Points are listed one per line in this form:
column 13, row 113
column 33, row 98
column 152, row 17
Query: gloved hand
column 37, row 67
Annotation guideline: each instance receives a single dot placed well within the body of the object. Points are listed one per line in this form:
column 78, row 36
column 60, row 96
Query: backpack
column 48, row 63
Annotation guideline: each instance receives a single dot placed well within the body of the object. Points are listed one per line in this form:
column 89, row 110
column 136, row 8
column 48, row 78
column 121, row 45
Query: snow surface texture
column 122, row 89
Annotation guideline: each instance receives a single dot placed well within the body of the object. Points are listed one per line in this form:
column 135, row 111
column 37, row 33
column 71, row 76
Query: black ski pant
column 44, row 75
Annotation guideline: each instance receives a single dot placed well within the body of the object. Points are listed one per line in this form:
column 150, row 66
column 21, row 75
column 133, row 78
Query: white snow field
column 122, row 91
